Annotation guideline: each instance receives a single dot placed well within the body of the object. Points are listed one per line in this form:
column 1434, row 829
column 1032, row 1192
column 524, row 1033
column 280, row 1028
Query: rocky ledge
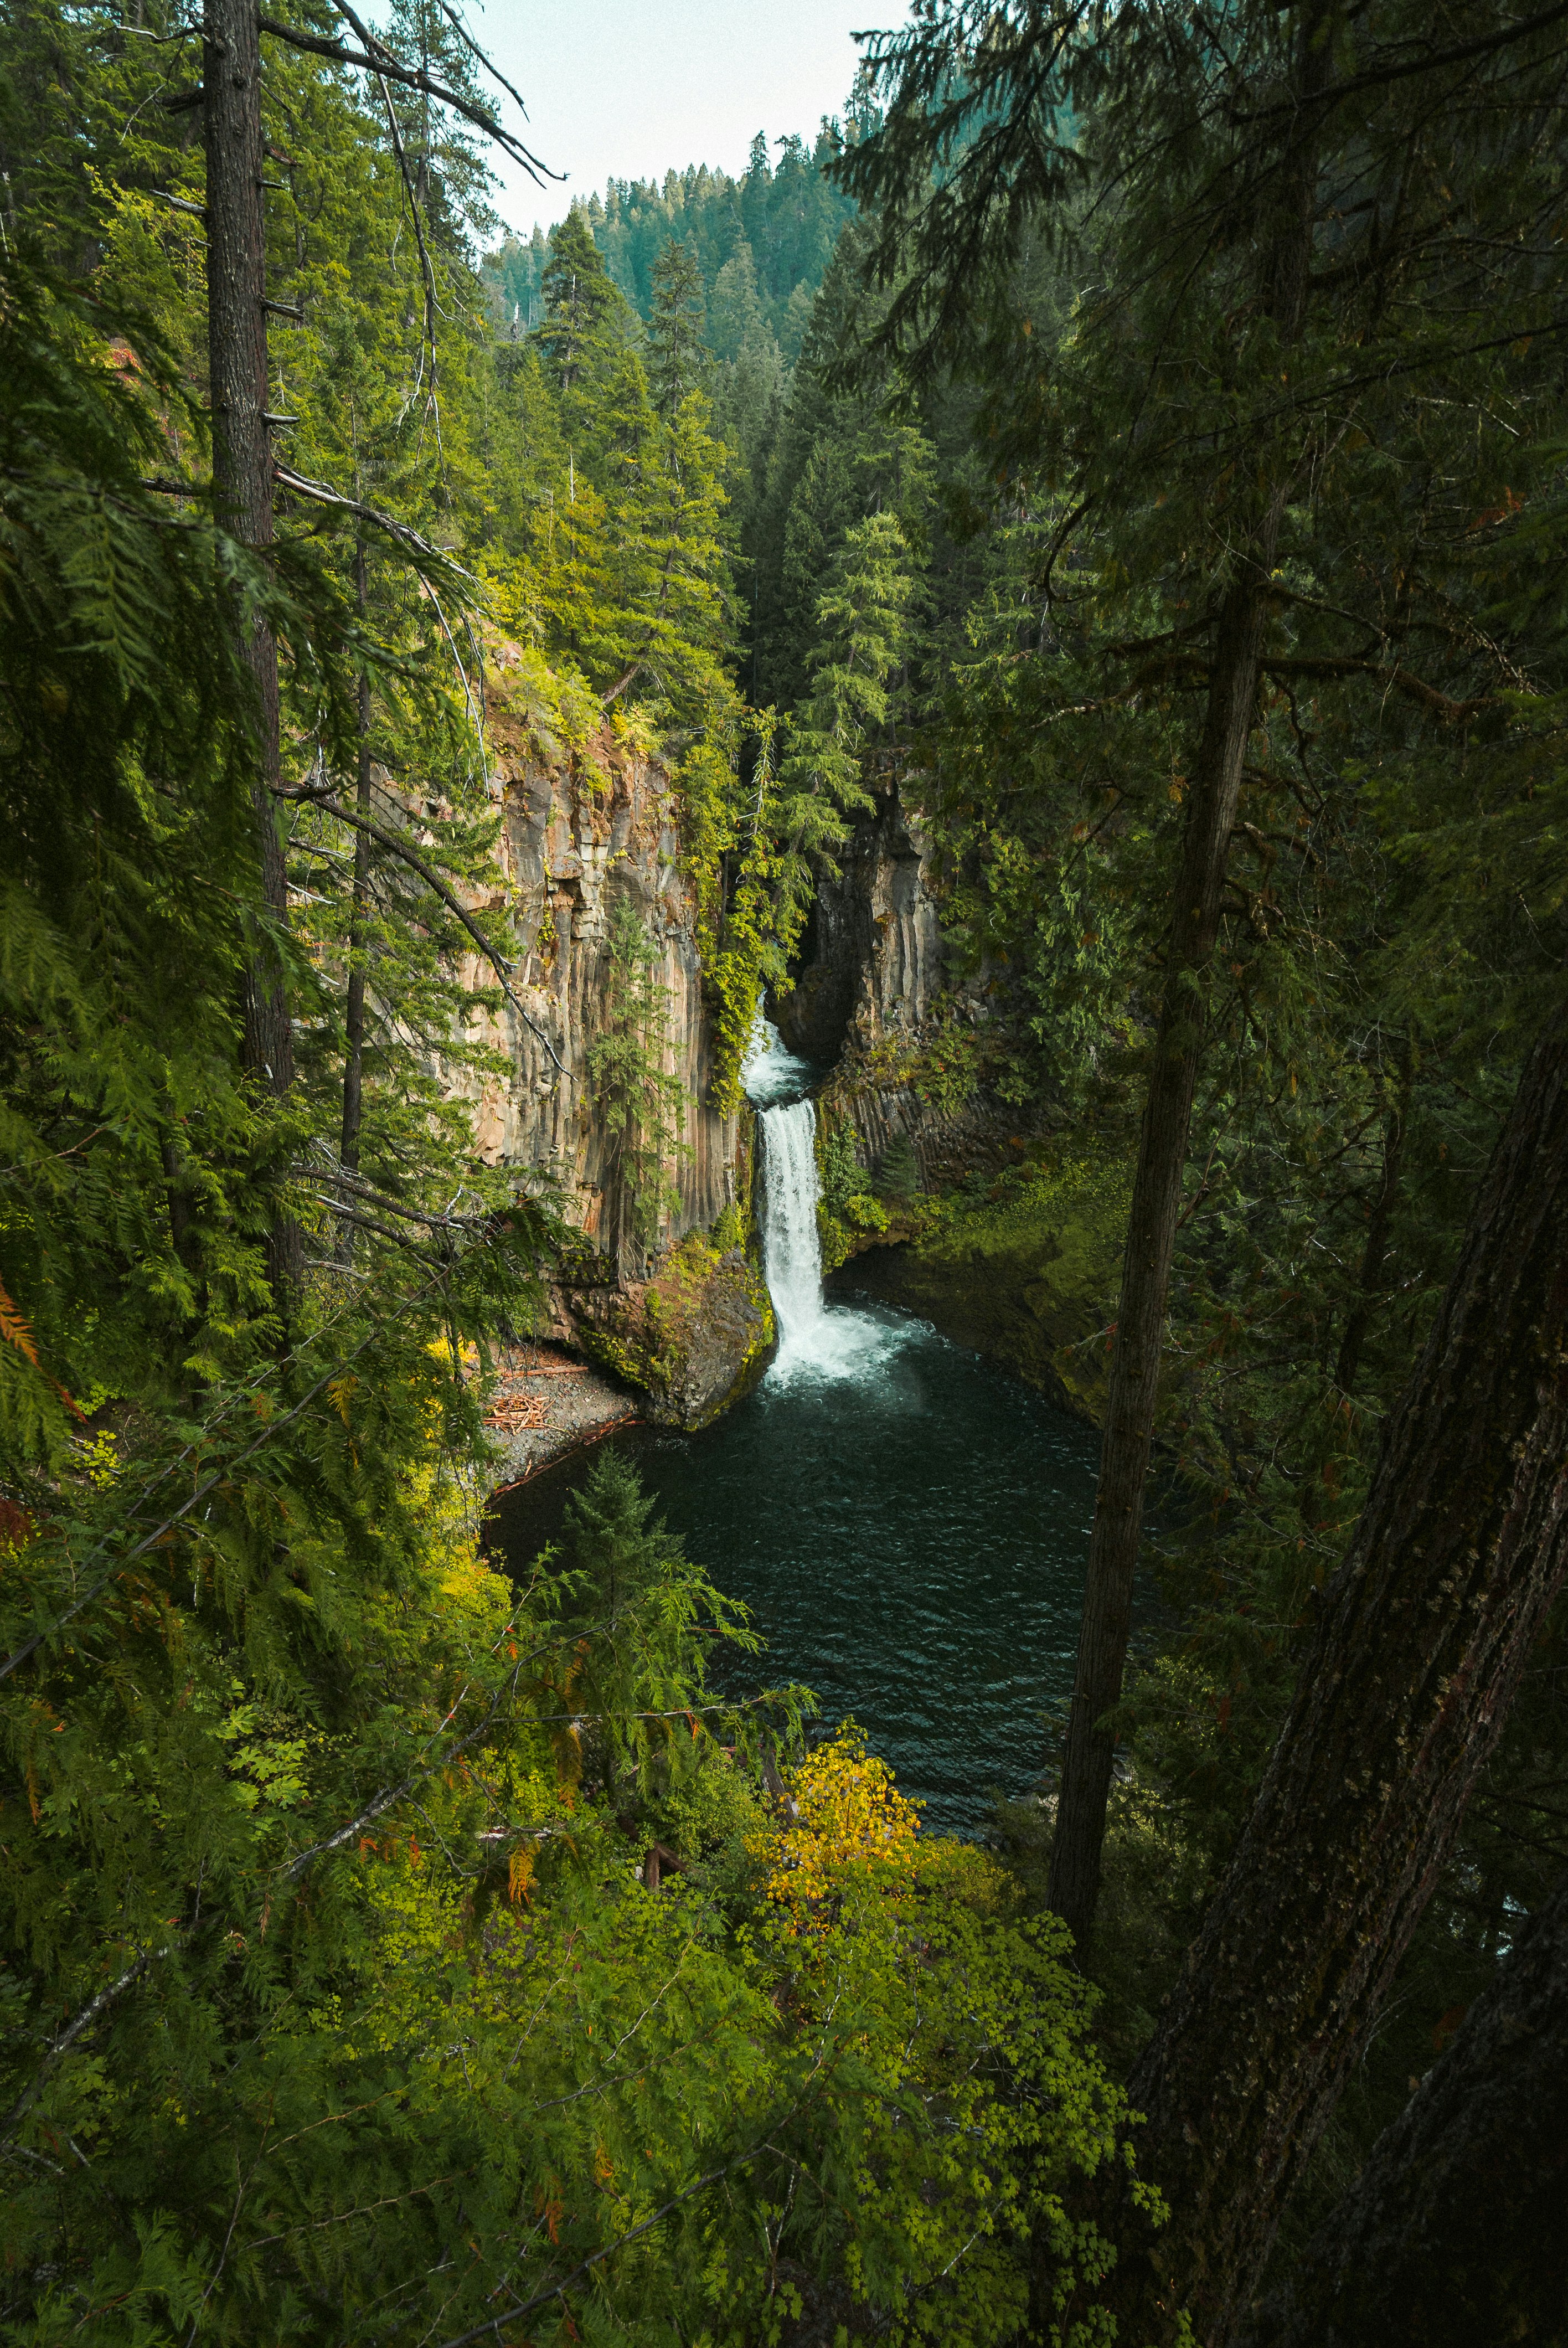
column 692, row 1339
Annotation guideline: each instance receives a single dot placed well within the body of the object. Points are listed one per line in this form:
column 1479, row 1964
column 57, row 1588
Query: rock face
column 872, row 964
column 579, row 832
column 1015, row 1246
column 870, row 1002
column 693, row 1339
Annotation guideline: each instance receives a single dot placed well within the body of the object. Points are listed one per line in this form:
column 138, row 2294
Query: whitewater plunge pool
column 907, row 1525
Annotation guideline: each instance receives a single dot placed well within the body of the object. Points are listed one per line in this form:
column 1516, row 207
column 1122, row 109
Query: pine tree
column 863, row 622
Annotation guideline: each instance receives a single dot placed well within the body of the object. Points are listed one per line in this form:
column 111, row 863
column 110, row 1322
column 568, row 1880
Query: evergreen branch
column 390, row 1795
column 1399, row 680
column 595, row 2257
column 1331, row 667
column 396, row 847
column 1340, row 387
column 678, row 1712
column 427, row 273
column 558, row 2290
column 466, row 37
column 340, row 1174
column 303, row 486
column 385, row 1800
column 1378, row 76
column 344, row 2217
column 210, row 1484
column 369, row 1223
column 65, row 2039
column 379, row 60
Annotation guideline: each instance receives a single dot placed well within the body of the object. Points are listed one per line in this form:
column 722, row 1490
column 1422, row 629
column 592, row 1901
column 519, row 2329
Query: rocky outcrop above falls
column 872, row 959
column 581, row 831
column 873, row 1003
column 693, row 1339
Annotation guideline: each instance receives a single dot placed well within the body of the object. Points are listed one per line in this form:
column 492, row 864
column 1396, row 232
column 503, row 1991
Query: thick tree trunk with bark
column 1456, row 2231
column 1213, row 789
column 243, row 486
column 1423, row 1635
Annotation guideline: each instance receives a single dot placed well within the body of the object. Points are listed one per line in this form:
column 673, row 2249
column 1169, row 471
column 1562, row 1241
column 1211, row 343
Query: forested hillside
column 760, row 243
column 1123, row 464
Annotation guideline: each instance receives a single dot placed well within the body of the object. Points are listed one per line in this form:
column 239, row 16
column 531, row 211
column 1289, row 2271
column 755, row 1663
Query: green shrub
column 899, row 1170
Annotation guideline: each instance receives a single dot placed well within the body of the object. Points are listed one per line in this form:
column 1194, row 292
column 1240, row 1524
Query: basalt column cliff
column 658, row 1289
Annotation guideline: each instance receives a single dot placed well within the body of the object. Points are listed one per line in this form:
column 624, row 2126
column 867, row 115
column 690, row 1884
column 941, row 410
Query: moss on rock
column 1027, row 1274
column 693, row 1339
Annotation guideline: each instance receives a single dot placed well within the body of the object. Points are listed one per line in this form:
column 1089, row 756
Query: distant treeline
column 762, row 243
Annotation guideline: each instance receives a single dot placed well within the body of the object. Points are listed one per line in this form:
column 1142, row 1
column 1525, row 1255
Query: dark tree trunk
column 1213, row 789
column 1423, row 1634
column 354, row 1014
column 243, row 485
column 1456, row 2231
column 1215, row 785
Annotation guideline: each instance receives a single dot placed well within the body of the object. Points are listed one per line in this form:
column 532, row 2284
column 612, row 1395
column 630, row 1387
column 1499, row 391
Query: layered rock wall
column 870, row 988
column 1014, row 1245
column 872, row 964
column 576, row 833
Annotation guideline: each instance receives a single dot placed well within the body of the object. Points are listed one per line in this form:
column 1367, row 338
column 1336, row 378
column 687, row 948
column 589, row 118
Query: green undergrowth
column 1025, row 1266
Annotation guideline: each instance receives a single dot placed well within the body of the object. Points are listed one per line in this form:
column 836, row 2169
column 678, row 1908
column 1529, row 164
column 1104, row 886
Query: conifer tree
column 580, row 302
column 864, row 623
column 677, row 352
column 735, row 311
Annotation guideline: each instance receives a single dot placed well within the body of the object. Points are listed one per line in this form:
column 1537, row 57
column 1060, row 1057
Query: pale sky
column 629, row 88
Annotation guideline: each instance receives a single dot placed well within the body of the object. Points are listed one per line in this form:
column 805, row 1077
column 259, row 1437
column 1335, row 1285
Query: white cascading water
column 792, row 1256
column 814, row 1337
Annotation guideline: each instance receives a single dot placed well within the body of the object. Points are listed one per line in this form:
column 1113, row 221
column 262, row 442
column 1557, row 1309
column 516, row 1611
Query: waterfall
column 792, row 1256
column 829, row 1341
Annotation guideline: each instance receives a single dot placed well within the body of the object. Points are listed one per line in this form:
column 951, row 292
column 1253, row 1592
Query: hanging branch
column 425, row 271
column 400, row 848
column 339, row 1175
column 466, row 37
column 377, row 59
column 304, row 487
column 62, row 2043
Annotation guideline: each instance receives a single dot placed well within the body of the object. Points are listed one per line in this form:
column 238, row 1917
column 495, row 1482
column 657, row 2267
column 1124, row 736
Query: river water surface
column 907, row 1525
